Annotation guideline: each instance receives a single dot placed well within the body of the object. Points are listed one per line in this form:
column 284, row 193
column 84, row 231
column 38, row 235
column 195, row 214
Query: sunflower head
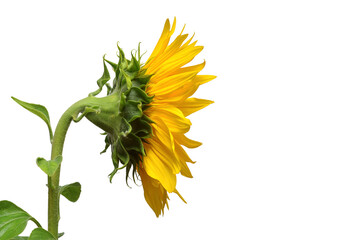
column 144, row 114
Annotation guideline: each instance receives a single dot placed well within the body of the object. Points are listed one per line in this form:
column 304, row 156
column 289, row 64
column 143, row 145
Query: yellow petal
column 157, row 169
column 183, row 158
column 180, row 196
column 194, row 68
column 170, row 50
column 162, row 42
column 170, row 84
column 192, row 105
column 201, row 79
column 161, row 131
column 172, row 116
column 155, row 194
column 181, row 154
column 185, row 170
column 185, row 141
column 180, row 58
column 165, row 154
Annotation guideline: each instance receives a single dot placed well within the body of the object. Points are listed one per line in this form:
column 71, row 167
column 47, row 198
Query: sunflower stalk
column 57, row 147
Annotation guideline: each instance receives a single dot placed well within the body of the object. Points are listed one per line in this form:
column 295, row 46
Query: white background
column 280, row 156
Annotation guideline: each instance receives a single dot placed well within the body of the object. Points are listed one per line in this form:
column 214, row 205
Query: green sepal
column 108, row 143
column 147, row 119
column 13, row 220
column 113, row 65
column 41, row 234
column 137, row 94
column 132, row 110
column 38, row 110
column 125, row 127
column 49, row 167
column 122, row 101
column 112, row 174
column 141, row 128
column 132, row 142
column 143, row 79
column 128, row 79
column 103, row 80
column 71, row 191
column 134, row 65
column 121, row 153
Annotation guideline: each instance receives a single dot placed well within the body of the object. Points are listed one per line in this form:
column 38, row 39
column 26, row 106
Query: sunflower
column 145, row 114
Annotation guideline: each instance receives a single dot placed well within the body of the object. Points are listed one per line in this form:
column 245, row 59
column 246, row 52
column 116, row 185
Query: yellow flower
column 144, row 114
column 171, row 85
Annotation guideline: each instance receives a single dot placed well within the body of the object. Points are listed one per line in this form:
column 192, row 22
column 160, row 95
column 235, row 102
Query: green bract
column 121, row 112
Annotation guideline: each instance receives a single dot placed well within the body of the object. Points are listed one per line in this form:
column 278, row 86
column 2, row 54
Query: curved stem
column 57, row 147
column 36, row 222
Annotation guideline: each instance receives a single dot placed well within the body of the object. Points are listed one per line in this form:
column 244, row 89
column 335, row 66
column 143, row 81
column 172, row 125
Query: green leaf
column 13, row 220
column 27, row 238
column 41, row 234
column 20, row 238
column 49, row 167
column 71, row 191
column 38, row 110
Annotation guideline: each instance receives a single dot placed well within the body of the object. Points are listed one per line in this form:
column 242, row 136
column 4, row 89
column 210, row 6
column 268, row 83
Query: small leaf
column 41, row 234
column 71, row 191
column 38, row 110
column 13, row 220
column 49, row 167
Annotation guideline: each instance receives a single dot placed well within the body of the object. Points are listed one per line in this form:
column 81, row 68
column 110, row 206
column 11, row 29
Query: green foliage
column 49, row 167
column 13, row 220
column 38, row 110
column 71, row 191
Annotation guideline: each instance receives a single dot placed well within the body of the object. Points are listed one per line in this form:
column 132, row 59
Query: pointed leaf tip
column 38, row 110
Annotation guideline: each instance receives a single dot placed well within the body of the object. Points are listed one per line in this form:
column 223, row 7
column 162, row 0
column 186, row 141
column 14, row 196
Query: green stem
column 90, row 106
column 36, row 222
column 57, row 147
